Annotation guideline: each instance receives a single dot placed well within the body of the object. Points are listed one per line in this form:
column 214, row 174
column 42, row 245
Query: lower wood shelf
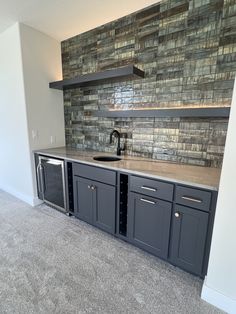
column 222, row 112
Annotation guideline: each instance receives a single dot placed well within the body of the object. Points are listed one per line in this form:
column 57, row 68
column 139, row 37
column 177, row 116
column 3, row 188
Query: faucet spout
column 116, row 134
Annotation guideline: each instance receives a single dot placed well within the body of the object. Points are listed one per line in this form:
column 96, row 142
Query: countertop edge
column 139, row 173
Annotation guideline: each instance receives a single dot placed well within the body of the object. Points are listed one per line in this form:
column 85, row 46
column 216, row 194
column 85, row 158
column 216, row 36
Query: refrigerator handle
column 41, row 179
column 41, row 170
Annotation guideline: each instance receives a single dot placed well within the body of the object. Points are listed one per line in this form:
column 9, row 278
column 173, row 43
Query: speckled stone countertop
column 196, row 176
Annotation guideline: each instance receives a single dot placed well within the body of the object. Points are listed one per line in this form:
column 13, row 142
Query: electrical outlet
column 53, row 139
column 35, row 134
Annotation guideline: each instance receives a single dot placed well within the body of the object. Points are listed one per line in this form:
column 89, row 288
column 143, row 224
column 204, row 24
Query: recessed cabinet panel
column 189, row 231
column 149, row 223
column 83, row 199
column 104, row 199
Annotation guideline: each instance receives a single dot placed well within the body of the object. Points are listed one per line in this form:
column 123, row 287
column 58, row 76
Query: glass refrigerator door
column 54, row 182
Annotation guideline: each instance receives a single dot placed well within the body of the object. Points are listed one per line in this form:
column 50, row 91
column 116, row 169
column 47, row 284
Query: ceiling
column 62, row 19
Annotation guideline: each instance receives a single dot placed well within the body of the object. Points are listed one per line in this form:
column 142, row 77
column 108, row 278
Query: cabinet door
column 149, row 223
column 104, row 203
column 83, row 199
column 189, row 231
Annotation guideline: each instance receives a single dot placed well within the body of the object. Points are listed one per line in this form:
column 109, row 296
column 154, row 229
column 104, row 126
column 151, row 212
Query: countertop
column 196, row 176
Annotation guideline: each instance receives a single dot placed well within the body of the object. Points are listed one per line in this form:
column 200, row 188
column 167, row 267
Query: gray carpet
column 50, row 263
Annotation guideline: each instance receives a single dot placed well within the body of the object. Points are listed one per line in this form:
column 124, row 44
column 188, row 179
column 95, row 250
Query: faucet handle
column 120, row 149
column 123, row 135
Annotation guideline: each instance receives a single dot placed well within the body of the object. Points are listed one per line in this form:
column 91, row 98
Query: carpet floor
column 51, row 263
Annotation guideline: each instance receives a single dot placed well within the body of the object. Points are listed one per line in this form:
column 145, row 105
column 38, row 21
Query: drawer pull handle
column 148, row 188
column 147, row 201
column 177, row 215
column 191, row 199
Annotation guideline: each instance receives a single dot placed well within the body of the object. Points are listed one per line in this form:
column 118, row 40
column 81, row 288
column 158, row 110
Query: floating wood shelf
column 222, row 112
column 129, row 71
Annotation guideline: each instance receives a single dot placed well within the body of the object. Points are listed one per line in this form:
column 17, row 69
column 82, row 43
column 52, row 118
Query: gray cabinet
column 83, row 199
column 104, row 206
column 149, row 223
column 153, row 188
column 95, row 203
column 199, row 199
column 170, row 221
column 188, row 239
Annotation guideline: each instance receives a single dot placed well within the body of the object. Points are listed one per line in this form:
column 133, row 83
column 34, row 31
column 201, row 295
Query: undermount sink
column 106, row 158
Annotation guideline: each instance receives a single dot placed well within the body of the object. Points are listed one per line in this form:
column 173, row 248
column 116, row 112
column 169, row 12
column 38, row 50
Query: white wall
column 220, row 284
column 15, row 173
column 41, row 57
column 31, row 114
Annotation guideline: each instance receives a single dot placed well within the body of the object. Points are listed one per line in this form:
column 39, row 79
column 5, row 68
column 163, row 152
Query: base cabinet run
column 95, row 203
column 188, row 238
column 169, row 220
column 149, row 223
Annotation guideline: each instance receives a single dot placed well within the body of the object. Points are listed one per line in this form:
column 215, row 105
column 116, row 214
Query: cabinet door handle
column 93, row 187
column 177, row 215
column 147, row 201
column 148, row 188
column 187, row 198
column 89, row 186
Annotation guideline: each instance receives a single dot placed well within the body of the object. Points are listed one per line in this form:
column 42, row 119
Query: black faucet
column 116, row 134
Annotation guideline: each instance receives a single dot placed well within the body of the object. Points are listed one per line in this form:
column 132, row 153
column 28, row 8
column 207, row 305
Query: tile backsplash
column 188, row 52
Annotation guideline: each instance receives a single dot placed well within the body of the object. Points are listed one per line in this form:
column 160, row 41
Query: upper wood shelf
column 128, row 71
column 222, row 112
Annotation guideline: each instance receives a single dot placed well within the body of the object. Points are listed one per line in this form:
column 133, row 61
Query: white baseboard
column 36, row 201
column 218, row 299
column 31, row 200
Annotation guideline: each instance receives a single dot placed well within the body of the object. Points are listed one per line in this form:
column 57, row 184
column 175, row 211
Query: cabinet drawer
column 194, row 198
column 95, row 173
column 152, row 188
